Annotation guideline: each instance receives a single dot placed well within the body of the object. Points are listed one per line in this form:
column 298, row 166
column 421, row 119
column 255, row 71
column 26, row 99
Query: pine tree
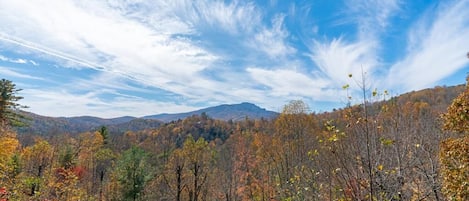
column 9, row 107
column 134, row 172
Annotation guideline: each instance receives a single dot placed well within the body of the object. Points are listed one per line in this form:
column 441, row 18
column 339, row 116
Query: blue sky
column 141, row 57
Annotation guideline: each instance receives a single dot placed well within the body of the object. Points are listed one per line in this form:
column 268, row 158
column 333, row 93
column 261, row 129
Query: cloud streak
column 337, row 59
column 6, row 71
column 436, row 48
column 371, row 16
column 73, row 104
column 18, row 61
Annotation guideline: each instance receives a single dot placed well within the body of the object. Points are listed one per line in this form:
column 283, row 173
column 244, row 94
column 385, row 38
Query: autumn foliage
column 454, row 156
column 386, row 148
column 454, row 153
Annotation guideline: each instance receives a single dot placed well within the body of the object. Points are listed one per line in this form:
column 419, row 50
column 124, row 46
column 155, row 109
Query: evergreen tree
column 8, row 104
column 134, row 172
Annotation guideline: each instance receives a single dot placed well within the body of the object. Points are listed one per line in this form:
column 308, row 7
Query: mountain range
column 43, row 125
column 438, row 98
column 224, row 112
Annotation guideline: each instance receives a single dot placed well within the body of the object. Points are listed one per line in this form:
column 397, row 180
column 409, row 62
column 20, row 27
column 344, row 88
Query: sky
column 114, row 58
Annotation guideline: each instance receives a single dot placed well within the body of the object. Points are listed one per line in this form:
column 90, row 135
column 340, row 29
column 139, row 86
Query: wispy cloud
column 206, row 52
column 437, row 45
column 6, row 71
column 272, row 41
column 356, row 54
column 66, row 58
column 18, row 61
column 104, row 41
column 370, row 16
column 129, row 39
column 289, row 83
column 49, row 102
column 338, row 58
column 231, row 17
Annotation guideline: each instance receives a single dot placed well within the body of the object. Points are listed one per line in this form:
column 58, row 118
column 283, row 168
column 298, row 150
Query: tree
column 133, row 173
column 454, row 152
column 37, row 159
column 89, row 145
column 8, row 147
column 187, row 173
column 8, row 105
column 104, row 132
column 457, row 117
column 293, row 136
column 454, row 159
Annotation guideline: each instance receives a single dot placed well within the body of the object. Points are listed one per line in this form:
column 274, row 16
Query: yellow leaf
column 380, row 167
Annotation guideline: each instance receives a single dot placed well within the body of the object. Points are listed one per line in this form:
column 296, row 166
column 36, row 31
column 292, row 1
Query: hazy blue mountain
column 89, row 120
column 234, row 112
column 43, row 125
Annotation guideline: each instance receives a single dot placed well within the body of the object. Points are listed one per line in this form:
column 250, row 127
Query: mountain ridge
column 43, row 125
column 226, row 112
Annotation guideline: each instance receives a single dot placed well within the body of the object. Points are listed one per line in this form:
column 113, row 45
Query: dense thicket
column 379, row 150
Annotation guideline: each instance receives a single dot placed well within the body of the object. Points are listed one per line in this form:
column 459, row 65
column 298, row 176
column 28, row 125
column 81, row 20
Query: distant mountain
column 234, row 112
column 89, row 120
column 42, row 125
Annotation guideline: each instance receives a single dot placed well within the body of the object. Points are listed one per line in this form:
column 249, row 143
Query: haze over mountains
column 235, row 112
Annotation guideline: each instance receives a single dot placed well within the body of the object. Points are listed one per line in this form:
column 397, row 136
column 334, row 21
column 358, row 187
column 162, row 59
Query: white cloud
column 160, row 16
column 103, row 80
column 371, row 16
column 18, row 61
column 287, row 84
column 21, row 61
column 64, row 103
column 147, row 41
column 234, row 17
column 436, row 48
column 33, row 63
column 192, row 17
column 337, row 59
column 272, row 41
column 104, row 40
column 66, row 59
column 131, row 41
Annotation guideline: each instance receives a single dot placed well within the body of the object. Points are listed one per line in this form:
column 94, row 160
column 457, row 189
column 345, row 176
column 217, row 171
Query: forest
column 410, row 147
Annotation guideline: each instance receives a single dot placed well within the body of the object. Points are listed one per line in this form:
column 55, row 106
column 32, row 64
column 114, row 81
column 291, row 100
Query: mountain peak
column 234, row 112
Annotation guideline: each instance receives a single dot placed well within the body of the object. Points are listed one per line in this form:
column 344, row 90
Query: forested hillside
column 46, row 126
column 386, row 148
column 234, row 112
column 42, row 125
